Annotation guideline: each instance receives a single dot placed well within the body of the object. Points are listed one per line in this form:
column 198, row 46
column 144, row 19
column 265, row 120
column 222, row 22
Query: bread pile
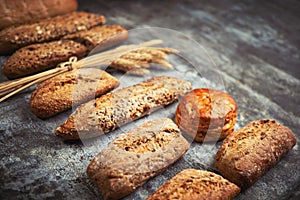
column 132, row 158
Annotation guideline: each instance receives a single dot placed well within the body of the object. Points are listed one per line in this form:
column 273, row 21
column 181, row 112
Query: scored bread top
column 192, row 184
column 136, row 156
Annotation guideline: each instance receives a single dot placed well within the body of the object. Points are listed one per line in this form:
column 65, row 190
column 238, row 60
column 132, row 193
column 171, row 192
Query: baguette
column 112, row 110
column 136, row 156
column 19, row 11
column 251, row 151
column 195, row 184
column 46, row 30
column 61, row 92
column 40, row 57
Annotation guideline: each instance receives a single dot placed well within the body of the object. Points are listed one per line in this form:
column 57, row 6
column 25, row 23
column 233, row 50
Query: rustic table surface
column 256, row 50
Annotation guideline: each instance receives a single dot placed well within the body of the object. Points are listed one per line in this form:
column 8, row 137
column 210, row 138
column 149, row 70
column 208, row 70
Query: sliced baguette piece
column 251, row 151
column 195, row 184
column 40, row 57
column 60, row 93
column 46, row 30
column 112, row 110
column 136, row 156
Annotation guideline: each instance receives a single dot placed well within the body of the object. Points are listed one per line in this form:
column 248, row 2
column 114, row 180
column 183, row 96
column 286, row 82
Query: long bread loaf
column 112, row 110
column 47, row 30
column 25, row 11
column 40, row 57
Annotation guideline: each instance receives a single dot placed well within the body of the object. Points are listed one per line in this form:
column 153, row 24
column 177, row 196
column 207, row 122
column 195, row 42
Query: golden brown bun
column 13, row 12
column 249, row 152
column 61, row 92
column 206, row 114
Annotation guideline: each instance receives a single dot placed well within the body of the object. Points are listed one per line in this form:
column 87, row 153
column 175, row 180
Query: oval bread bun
column 206, row 114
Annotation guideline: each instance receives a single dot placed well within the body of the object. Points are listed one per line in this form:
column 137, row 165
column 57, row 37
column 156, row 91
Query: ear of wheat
column 134, row 59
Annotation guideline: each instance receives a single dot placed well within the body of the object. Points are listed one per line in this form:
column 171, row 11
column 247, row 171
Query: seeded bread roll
column 136, row 156
column 112, row 110
column 195, row 184
column 251, row 151
column 46, row 30
column 40, row 57
column 206, row 114
column 61, row 92
column 24, row 11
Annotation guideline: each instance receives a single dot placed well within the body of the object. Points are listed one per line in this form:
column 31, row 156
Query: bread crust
column 46, row 30
column 60, row 93
column 251, row 151
column 19, row 11
column 112, row 110
column 136, row 156
column 206, row 114
column 40, row 57
column 192, row 184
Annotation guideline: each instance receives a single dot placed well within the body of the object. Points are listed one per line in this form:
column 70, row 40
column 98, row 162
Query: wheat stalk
column 130, row 52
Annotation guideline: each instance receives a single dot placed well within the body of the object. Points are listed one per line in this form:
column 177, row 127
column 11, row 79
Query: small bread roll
column 206, row 114
column 248, row 153
column 196, row 184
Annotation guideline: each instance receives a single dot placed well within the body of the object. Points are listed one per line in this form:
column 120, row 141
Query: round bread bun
column 206, row 115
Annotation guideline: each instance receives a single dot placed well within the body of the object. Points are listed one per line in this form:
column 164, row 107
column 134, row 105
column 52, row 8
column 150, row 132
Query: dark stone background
column 256, row 48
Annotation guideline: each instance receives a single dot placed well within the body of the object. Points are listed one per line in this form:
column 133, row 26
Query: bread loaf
column 206, row 114
column 136, row 156
column 40, row 57
column 112, row 110
column 61, row 92
column 198, row 185
column 46, row 30
column 14, row 12
column 251, row 151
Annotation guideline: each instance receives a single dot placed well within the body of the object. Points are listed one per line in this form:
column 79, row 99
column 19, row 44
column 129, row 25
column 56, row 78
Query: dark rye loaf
column 40, row 57
column 136, row 156
column 192, row 184
column 46, row 30
column 114, row 109
column 251, row 151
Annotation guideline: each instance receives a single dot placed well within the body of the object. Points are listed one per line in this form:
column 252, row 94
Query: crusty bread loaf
column 112, row 110
column 14, row 12
column 192, row 184
column 206, row 114
column 46, row 30
column 40, row 57
column 61, row 92
column 249, row 152
column 136, row 156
